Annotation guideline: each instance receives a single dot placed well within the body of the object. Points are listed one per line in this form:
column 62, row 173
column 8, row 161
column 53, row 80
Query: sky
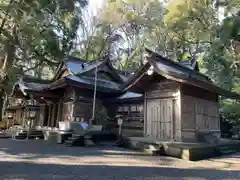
column 94, row 5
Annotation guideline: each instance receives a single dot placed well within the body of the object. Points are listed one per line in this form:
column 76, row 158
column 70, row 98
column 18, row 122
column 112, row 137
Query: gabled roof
column 79, row 67
column 100, row 65
column 177, row 72
column 125, row 75
column 29, row 84
column 81, row 75
column 72, row 64
column 85, row 82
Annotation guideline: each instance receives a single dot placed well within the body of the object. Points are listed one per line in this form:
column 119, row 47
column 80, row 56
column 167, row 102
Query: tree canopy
column 41, row 32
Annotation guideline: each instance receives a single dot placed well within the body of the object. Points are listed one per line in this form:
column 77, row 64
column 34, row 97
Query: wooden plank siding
column 199, row 112
column 133, row 117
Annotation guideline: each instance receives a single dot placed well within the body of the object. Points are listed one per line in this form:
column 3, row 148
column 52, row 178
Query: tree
column 38, row 32
column 180, row 29
column 130, row 19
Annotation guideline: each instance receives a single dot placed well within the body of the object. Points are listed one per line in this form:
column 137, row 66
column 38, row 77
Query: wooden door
column 160, row 119
column 18, row 116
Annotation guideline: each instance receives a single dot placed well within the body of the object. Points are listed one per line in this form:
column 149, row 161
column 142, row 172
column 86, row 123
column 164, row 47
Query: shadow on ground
column 22, row 160
column 30, row 171
column 41, row 148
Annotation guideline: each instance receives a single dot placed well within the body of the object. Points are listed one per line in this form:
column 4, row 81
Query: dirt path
column 34, row 160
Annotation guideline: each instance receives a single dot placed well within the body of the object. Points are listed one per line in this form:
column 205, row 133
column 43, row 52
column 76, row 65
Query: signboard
column 120, row 121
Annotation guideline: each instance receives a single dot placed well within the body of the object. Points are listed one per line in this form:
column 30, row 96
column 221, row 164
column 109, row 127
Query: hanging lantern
column 9, row 114
column 32, row 113
column 31, row 109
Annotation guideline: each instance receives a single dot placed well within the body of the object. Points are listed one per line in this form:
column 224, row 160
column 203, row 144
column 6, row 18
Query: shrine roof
column 169, row 69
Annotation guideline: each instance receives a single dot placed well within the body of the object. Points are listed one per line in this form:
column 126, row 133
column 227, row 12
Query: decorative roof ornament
column 150, row 71
column 145, row 58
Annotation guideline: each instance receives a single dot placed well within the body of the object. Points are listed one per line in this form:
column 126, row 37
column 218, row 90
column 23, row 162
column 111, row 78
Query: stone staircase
column 4, row 135
column 34, row 134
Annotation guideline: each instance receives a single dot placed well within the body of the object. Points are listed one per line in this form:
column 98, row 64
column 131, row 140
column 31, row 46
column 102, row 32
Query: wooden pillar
column 41, row 114
column 49, row 115
column 145, row 115
column 36, row 121
column 59, row 115
column 53, row 114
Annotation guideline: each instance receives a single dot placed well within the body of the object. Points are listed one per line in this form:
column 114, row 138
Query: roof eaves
column 190, row 78
column 90, row 82
column 137, row 76
column 56, row 84
column 176, row 64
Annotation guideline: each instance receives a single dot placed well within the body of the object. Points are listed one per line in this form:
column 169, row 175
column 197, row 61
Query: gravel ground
column 39, row 160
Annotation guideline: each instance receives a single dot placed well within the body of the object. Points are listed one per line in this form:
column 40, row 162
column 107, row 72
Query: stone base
column 187, row 151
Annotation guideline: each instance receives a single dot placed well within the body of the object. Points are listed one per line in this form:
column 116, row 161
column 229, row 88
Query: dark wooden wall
column 193, row 91
column 199, row 112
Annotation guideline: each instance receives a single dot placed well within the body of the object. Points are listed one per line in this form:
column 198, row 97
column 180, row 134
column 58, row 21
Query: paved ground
column 38, row 160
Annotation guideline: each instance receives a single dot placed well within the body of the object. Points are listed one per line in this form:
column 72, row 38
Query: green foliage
column 179, row 29
column 230, row 111
column 39, row 31
column 45, row 31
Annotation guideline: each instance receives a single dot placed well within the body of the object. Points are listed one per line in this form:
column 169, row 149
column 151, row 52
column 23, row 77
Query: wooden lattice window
column 133, row 108
column 126, row 108
column 120, row 109
column 140, row 108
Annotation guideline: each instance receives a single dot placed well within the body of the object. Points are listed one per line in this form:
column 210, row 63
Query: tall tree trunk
column 1, row 104
column 7, row 64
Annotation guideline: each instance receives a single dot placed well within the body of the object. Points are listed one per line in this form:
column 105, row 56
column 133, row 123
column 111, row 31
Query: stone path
column 38, row 160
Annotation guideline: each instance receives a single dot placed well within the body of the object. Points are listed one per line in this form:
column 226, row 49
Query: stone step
column 68, row 142
column 224, row 150
column 22, row 134
column 89, row 142
column 72, row 139
column 74, row 143
column 223, row 147
column 228, row 152
column 5, row 135
column 37, row 136
column 20, row 137
column 150, row 148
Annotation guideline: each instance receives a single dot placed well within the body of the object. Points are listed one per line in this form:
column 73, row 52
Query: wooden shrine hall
column 179, row 101
column 69, row 95
column 163, row 99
